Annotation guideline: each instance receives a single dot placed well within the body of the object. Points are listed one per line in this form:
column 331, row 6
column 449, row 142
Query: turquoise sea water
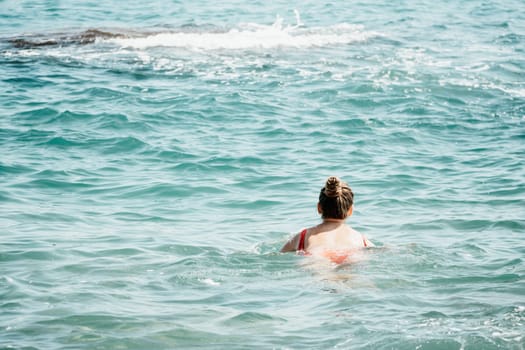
column 155, row 156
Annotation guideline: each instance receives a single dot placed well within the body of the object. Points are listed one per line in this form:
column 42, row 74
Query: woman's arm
column 291, row 245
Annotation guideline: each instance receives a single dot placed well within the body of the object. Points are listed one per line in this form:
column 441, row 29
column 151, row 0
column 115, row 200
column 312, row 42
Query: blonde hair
column 336, row 199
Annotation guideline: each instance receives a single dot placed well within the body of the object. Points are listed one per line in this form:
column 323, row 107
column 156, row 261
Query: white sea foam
column 253, row 36
column 210, row 282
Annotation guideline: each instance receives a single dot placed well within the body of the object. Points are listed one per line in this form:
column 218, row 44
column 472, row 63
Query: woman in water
column 332, row 238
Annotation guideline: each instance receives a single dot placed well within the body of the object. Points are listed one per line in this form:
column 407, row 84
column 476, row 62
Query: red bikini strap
column 301, row 240
column 364, row 241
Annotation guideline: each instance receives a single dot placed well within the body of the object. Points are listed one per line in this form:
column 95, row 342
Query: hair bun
column 333, row 187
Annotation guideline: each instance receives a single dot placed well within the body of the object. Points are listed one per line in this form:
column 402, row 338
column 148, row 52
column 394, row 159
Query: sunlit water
column 155, row 157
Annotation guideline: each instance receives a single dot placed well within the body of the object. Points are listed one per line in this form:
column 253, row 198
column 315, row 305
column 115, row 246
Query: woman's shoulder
column 293, row 244
column 358, row 236
column 348, row 238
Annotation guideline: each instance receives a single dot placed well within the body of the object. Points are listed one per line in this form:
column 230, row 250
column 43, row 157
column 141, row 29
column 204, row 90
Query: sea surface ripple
column 155, row 157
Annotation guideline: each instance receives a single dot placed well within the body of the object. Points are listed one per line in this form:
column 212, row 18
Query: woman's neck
column 328, row 225
column 333, row 222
